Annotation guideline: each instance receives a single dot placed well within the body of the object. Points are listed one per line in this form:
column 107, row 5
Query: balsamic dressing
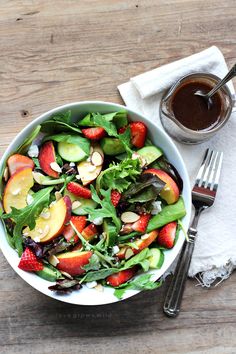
column 192, row 111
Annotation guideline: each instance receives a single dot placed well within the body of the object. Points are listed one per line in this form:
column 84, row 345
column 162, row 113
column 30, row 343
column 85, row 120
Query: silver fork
column 203, row 196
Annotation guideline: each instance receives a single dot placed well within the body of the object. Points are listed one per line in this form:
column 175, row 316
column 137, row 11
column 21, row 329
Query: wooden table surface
column 54, row 52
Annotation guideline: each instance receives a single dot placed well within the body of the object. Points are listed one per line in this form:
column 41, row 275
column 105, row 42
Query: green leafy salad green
column 91, row 202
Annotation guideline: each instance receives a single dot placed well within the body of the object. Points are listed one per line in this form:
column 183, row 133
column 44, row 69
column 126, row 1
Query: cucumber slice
column 71, row 152
column 156, row 258
column 84, row 203
column 112, row 146
column 150, row 153
column 111, row 233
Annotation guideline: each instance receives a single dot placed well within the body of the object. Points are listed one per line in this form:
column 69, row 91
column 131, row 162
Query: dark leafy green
column 145, row 181
column 60, row 122
column 22, row 149
column 82, row 142
column 143, row 282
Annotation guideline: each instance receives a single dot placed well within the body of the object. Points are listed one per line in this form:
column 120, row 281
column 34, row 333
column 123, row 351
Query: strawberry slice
column 142, row 223
column 138, row 134
column 121, row 277
column 78, row 190
column 166, row 237
column 17, row 161
column 94, row 133
column 79, row 222
column 29, row 261
column 115, row 197
column 89, row 232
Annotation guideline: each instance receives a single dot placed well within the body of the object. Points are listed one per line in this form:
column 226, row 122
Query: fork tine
column 217, row 175
column 212, row 171
column 202, row 169
column 207, row 169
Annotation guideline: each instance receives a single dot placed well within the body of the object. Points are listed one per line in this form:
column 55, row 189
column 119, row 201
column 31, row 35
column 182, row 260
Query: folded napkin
column 215, row 250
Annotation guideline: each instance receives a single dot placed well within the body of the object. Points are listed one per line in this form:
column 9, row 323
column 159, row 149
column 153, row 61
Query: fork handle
column 174, row 294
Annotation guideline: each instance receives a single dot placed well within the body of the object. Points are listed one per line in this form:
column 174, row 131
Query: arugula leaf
column 143, row 282
column 119, row 176
column 94, row 264
column 107, row 209
column 83, row 143
column 111, row 130
column 27, row 216
column 119, row 118
column 60, row 122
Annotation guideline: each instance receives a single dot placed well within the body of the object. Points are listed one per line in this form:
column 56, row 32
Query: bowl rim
column 44, row 116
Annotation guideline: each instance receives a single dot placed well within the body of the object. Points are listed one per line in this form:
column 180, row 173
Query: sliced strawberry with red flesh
column 122, row 130
column 29, row 261
column 121, row 277
column 89, row 232
column 78, row 190
column 47, row 155
column 142, row 223
column 79, row 222
column 166, row 237
column 17, row 161
column 115, row 197
column 138, row 134
column 94, row 133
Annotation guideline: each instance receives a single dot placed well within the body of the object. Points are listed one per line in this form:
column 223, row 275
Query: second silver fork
column 203, row 196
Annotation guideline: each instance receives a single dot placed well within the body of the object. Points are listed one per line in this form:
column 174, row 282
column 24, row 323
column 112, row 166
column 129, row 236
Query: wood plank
column 63, row 51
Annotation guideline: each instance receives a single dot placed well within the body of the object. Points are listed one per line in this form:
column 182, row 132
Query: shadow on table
column 139, row 313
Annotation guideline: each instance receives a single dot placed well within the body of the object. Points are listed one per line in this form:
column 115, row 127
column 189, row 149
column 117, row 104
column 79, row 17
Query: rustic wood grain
column 54, row 52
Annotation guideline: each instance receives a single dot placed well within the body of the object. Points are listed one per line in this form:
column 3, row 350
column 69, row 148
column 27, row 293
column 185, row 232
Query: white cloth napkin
column 215, row 250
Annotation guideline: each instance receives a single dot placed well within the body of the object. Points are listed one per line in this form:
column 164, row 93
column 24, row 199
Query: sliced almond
column 129, row 217
column 76, row 204
column 55, row 167
column 38, row 177
column 99, row 288
column 96, row 159
column 44, row 232
column 58, row 196
column 53, row 260
column 16, row 191
column 91, row 168
column 129, row 253
column 145, row 236
column 6, row 174
column 66, row 274
column 45, row 214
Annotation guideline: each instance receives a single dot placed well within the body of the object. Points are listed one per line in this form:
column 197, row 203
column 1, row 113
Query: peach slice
column 17, row 189
column 48, row 228
column 16, row 162
column 72, row 262
column 89, row 170
column 139, row 244
column 47, row 156
column 170, row 192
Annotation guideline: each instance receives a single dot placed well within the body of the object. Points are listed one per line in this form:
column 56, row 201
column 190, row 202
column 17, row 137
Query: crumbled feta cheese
column 72, row 164
column 37, row 239
column 91, row 284
column 115, row 249
column 29, row 199
column 33, row 151
column 78, row 177
column 98, row 221
column 156, row 207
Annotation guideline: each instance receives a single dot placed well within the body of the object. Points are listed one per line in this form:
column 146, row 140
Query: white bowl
column 87, row 296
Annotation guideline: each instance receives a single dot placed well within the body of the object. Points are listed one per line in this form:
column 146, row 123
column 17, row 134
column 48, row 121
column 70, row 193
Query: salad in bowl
column 91, row 203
